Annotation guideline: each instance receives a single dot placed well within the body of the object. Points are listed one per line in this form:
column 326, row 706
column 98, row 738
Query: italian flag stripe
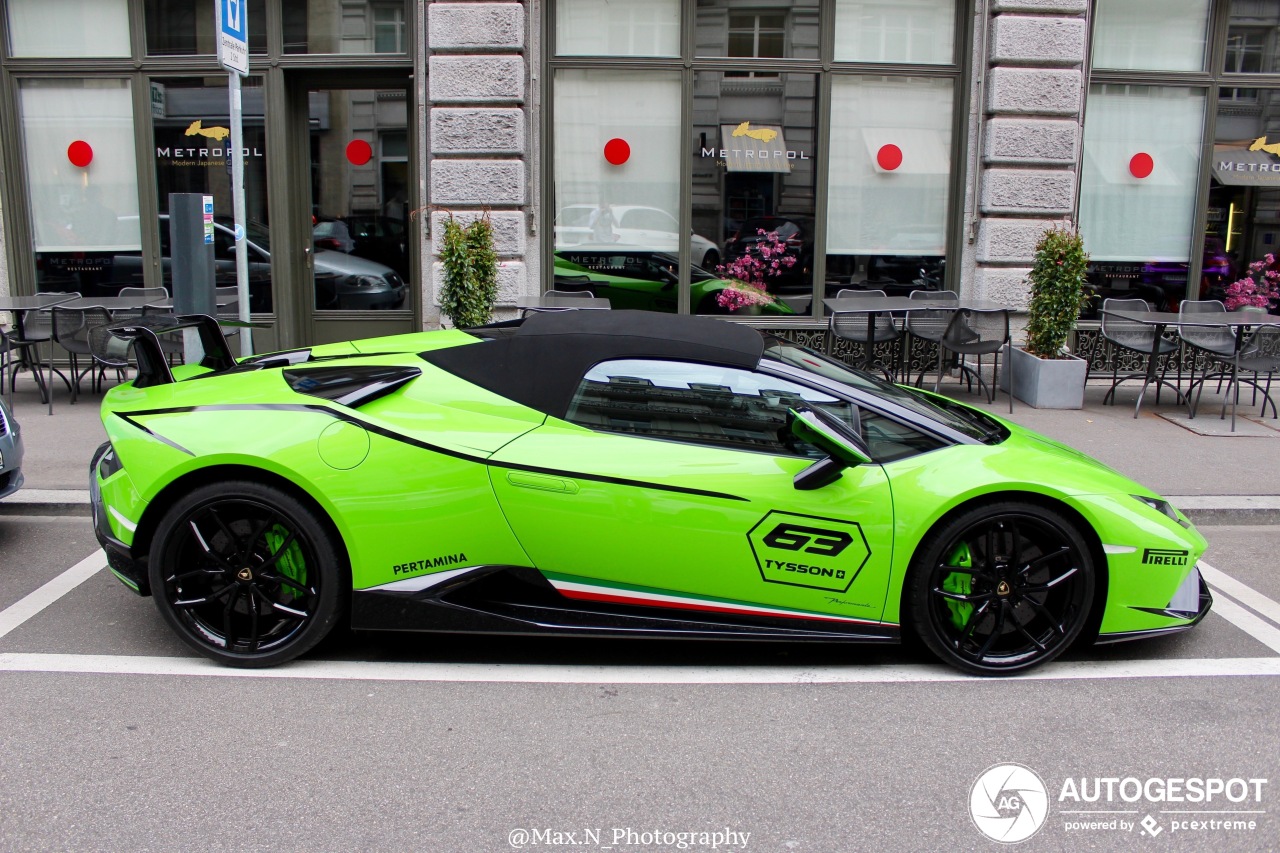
column 595, row 592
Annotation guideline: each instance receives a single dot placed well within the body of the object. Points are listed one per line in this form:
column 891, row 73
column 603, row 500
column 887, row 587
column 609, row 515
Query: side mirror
column 844, row 447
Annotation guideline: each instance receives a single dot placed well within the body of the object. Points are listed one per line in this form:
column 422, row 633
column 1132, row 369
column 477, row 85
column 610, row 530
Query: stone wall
column 480, row 127
column 1029, row 121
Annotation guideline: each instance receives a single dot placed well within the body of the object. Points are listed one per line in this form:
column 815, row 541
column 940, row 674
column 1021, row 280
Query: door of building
column 350, row 196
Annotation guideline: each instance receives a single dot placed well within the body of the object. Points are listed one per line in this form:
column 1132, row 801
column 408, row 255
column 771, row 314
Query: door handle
column 542, row 482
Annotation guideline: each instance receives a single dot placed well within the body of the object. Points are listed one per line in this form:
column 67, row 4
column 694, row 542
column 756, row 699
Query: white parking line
column 20, row 611
column 1223, row 582
column 595, row 674
column 1223, row 585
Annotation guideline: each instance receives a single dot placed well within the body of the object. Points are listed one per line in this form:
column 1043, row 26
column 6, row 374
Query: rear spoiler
column 110, row 345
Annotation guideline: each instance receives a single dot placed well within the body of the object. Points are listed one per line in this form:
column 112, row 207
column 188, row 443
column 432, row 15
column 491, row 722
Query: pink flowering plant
column 1260, row 287
column 748, row 272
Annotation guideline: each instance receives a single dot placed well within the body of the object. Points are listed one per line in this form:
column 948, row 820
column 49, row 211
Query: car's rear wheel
column 1001, row 588
column 710, row 260
column 246, row 574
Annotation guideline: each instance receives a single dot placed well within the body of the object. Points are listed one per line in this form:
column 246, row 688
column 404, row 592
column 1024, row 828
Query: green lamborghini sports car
column 611, row 473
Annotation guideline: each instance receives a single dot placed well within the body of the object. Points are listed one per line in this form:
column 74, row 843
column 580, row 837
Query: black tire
column 1001, row 588
column 246, row 574
column 710, row 261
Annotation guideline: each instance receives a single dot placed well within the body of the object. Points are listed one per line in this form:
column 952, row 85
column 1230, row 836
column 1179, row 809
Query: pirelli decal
column 1164, row 557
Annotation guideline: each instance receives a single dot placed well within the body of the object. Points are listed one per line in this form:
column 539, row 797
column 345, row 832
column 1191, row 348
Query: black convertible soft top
column 540, row 360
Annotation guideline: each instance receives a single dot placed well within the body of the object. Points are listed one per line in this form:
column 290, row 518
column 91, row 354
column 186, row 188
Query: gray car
column 10, row 452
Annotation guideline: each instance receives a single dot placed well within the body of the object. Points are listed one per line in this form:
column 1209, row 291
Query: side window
column 888, row 439
column 705, row 404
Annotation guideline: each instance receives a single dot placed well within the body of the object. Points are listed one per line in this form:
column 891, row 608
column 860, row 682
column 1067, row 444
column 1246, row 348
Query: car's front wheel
column 1001, row 588
column 246, row 574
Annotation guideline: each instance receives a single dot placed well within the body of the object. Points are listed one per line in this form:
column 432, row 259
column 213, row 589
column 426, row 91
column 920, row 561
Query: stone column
column 478, row 92
column 1029, row 151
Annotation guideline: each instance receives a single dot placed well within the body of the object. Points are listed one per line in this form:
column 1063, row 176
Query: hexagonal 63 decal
column 808, row 550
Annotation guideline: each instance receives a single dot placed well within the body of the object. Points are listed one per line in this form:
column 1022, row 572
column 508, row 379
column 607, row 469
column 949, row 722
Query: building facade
column 645, row 149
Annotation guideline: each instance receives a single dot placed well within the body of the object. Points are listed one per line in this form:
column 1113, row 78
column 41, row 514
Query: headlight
column 367, row 281
column 1163, row 507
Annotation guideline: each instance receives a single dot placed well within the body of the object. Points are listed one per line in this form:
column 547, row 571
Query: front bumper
column 119, row 555
column 1189, row 605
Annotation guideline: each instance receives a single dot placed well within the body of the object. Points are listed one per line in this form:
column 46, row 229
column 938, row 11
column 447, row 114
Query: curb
column 72, row 502
column 1202, row 509
column 1229, row 509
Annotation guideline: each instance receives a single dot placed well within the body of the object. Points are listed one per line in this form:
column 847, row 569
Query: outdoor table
column 20, row 305
column 890, row 304
column 112, row 303
column 1240, row 321
column 561, row 303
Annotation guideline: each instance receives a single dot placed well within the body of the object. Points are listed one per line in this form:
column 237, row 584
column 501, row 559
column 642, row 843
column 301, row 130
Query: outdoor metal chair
column 855, row 326
column 34, row 326
column 1259, row 354
column 1215, row 342
column 1136, row 337
column 930, row 324
column 14, row 353
column 70, row 329
column 978, row 333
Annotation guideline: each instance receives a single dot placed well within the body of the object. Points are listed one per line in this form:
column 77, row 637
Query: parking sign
column 233, row 35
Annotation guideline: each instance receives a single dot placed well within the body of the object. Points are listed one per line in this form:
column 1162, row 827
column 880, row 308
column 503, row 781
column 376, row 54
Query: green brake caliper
column 291, row 563
column 959, row 583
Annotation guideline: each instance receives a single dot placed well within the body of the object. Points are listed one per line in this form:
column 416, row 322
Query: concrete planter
column 1044, row 383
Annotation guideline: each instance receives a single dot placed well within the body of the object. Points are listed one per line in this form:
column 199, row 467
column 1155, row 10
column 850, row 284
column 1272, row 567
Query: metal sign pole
column 233, row 55
column 237, row 205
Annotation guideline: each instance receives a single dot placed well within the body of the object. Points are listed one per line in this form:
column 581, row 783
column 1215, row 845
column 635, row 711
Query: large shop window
column 918, row 31
column 618, row 28
column 77, row 141
column 192, row 148
column 889, row 179
column 1138, row 189
column 70, row 28
column 617, row 186
column 753, row 191
column 1150, row 35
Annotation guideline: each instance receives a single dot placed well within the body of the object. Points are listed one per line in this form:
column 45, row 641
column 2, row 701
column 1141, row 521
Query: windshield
column 958, row 418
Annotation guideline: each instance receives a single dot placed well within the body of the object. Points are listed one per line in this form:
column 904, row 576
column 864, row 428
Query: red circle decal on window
column 80, row 153
column 1141, row 165
column 617, row 151
column 889, row 157
column 359, row 152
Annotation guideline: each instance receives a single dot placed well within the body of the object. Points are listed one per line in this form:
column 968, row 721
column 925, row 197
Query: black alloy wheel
column 246, row 574
column 1001, row 588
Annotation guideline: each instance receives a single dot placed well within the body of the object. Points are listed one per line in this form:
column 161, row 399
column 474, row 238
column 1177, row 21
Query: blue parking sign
column 233, row 35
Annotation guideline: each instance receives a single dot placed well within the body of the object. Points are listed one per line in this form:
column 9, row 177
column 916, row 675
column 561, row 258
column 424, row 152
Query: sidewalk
column 1214, row 476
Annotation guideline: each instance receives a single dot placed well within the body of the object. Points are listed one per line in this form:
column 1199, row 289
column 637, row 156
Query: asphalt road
column 115, row 737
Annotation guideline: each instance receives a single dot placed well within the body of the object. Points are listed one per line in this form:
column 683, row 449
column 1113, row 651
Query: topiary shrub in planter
column 1045, row 375
column 470, row 272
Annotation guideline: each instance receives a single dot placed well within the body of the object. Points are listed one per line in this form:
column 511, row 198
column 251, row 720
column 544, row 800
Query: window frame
column 824, row 67
column 1216, row 80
